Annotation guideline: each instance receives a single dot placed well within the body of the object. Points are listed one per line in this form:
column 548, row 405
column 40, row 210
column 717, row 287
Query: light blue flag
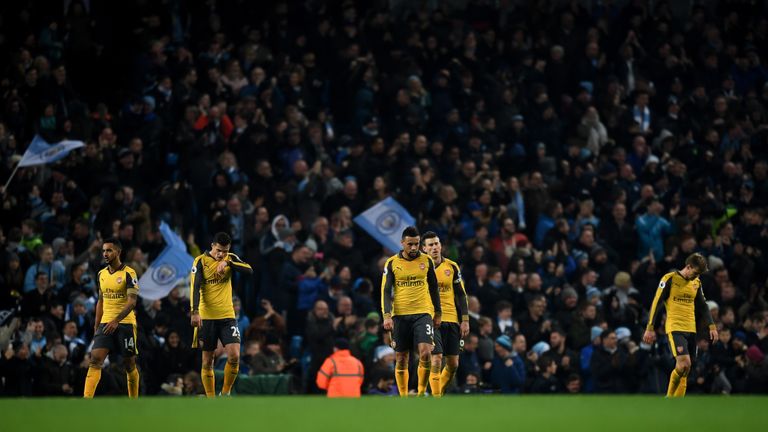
column 170, row 237
column 385, row 222
column 171, row 266
column 40, row 152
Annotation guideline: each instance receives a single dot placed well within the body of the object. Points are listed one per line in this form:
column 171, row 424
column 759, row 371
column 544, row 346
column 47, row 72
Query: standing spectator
column 651, row 228
column 38, row 301
column 533, row 324
column 54, row 270
column 618, row 233
column 507, row 371
column 319, row 336
column 271, row 323
column 585, row 358
column 611, row 366
column 341, row 374
column 76, row 346
column 469, row 361
column 174, row 357
column 567, row 361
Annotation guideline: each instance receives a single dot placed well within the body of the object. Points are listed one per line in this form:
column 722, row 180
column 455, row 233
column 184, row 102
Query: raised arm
column 239, row 265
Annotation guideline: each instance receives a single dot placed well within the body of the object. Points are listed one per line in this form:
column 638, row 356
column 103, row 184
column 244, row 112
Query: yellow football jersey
column 114, row 289
column 211, row 292
column 682, row 298
column 409, row 286
column 453, row 296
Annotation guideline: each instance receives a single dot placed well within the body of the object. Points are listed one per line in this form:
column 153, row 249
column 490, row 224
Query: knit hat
column 755, row 355
column 505, row 342
column 592, row 292
column 381, row 351
column 540, row 348
column 623, row 333
column 595, row 333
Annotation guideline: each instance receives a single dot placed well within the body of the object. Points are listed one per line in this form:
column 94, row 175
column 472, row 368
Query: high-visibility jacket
column 341, row 374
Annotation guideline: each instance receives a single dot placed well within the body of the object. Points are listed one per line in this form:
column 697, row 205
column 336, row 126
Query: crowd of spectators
column 568, row 154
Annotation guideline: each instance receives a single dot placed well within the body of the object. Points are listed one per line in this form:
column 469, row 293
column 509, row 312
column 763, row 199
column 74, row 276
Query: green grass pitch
column 467, row 413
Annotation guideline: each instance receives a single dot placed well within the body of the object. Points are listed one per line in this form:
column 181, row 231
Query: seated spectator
column 269, row 360
column 383, row 384
column 546, row 380
column 471, row 385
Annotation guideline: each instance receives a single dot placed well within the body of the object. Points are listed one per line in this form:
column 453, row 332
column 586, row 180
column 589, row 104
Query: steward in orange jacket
column 341, row 374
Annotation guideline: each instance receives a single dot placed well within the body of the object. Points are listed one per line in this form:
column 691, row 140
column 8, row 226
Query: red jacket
column 225, row 126
column 341, row 374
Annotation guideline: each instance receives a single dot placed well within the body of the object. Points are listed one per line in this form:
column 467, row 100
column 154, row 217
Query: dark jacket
column 612, row 372
column 50, row 377
column 509, row 379
column 546, row 385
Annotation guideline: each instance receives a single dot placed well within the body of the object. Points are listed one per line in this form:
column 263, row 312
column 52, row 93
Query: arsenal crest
column 119, row 279
column 447, row 272
column 422, row 266
column 679, row 350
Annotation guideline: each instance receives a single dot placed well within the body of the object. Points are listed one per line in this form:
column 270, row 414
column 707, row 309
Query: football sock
column 680, row 392
column 446, row 377
column 434, row 381
column 674, row 381
column 230, row 375
column 133, row 383
column 423, row 372
column 91, row 381
column 209, row 381
column 401, row 377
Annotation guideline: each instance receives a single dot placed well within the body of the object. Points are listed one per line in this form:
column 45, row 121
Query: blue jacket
column 509, row 379
column 651, row 229
column 56, row 273
column 586, row 370
column 545, row 224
